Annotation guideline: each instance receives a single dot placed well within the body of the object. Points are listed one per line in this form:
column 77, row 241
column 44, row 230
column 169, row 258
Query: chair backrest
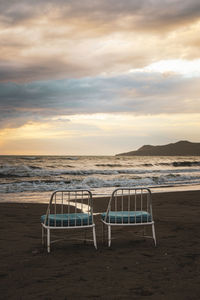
column 76, row 204
column 130, row 205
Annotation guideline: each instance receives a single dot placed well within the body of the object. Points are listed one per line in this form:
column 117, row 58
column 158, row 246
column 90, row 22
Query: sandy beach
column 132, row 269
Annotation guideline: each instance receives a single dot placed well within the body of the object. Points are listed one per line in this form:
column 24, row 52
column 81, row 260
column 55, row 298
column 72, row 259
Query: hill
column 184, row 148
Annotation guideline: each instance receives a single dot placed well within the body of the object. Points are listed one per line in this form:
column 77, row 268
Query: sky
column 98, row 77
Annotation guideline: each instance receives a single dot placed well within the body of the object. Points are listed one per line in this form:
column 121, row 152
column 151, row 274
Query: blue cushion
column 66, row 220
column 120, row 217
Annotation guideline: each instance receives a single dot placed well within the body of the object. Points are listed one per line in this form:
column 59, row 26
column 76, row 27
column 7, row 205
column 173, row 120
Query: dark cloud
column 141, row 13
column 39, row 68
column 137, row 93
column 13, row 11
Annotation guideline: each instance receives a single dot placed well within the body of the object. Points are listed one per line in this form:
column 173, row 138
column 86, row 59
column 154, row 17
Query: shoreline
column 44, row 197
column 100, row 202
column 131, row 269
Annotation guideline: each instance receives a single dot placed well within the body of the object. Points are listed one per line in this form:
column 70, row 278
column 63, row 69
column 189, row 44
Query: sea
column 34, row 178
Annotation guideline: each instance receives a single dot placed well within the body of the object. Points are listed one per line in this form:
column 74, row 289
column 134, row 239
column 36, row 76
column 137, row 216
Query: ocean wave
column 108, row 165
column 186, row 163
column 179, row 163
column 29, row 157
column 20, row 171
column 35, row 171
column 95, row 182
column 174, row 164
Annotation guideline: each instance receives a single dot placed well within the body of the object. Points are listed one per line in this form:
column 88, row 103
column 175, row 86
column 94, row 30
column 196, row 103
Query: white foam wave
column 95, row 182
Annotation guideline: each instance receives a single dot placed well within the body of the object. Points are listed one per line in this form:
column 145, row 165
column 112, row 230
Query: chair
column 68, row 209
column 129, row 207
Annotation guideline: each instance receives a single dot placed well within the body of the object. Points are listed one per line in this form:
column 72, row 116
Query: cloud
column 43, row 40
column 137, row 93
column 72, row 57
column 141, row 13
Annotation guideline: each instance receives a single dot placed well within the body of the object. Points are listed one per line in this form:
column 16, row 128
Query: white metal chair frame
column 137, row 202
column 68, row 206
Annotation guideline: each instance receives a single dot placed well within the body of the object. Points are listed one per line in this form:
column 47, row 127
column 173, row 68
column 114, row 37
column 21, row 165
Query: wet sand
column 131, row 269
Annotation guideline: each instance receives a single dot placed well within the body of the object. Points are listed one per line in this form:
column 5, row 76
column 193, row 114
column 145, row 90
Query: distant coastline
column 180, row 148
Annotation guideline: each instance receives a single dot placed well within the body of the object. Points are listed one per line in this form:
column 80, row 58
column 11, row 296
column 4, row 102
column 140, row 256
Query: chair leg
column 154, row 234
column 144, row 230
column 103, row 233
column 94, row 237
column 42, row 235
column 109, row 235
column 48, row 240
column 85, row 237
